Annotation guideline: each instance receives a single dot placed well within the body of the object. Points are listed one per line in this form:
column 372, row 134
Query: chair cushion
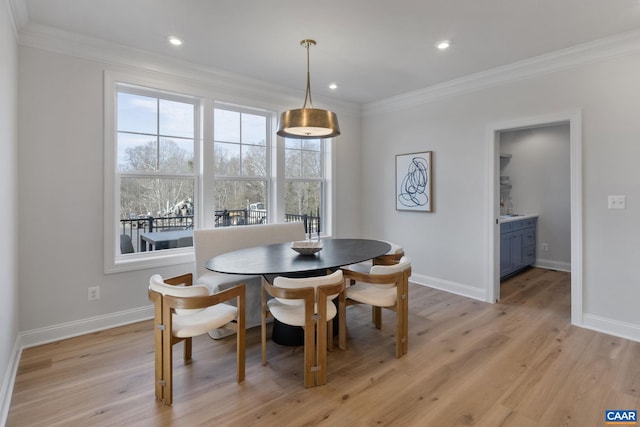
column 294, row 314
column 305, row 282
column 368, row 293
column 201, row 322
column 156, row 284
column 380, row 295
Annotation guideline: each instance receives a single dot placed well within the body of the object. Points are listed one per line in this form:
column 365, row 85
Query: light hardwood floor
column 515, row 363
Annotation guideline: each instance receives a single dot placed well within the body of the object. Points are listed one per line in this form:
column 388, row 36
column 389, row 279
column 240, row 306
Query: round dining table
column 281, row 260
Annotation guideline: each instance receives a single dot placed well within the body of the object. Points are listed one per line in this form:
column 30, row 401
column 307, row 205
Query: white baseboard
column 448, row 286
column 611, row 327
column 62, row 331
column 553, row 265
column 9, row 380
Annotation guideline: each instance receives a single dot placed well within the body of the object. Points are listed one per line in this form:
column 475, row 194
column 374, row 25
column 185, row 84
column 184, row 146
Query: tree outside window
column 304, row 178
column 155, row 163
column 241, row 170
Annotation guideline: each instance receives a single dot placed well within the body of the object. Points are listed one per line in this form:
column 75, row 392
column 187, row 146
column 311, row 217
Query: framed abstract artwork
column 413, row 182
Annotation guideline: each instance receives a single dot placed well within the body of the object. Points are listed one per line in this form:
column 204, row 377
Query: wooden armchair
column 182, row 312
column 308, row 302
column 393, row 256
column 384, row 286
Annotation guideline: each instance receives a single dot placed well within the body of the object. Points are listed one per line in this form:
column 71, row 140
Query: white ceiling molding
column 595, row 51
column 271, row 96
column 19, row 15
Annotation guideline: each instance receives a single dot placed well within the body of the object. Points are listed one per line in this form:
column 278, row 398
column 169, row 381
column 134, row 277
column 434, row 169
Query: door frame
column 574, row 119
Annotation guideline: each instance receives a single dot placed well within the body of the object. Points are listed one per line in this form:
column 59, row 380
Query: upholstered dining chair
column 307, row 302
column 384, row 286
column 391, row 257
column 183, row 311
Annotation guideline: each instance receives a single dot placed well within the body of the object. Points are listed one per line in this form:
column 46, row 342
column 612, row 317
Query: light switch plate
column 617, row 202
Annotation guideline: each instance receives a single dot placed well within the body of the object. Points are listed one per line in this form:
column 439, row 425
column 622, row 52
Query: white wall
column 539, row 173
column 61, row 195
column 8, row 195
column 448, row 246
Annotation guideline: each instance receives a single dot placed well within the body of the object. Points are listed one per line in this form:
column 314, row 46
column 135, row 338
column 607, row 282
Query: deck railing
column 134, row 227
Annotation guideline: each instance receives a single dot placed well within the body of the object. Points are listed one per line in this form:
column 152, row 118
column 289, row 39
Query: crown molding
column 233, row 86
column 595, row 51
column 18, row 15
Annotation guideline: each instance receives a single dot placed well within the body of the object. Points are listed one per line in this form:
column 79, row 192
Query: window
column 241, row 166
column 175, row 162
column 156, row 179
column 304, row 181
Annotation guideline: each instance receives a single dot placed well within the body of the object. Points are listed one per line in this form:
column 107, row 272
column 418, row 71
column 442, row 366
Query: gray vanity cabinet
column 517, row 245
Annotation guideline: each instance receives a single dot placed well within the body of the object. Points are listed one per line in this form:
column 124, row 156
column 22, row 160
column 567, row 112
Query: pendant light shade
column 308, row 122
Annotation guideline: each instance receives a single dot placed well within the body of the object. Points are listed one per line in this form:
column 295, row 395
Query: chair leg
column 159, row 364
column 309, row 355
column 342, row 322
column 330, row 335
column 321, row 352
column 264, row 326
column 167, row 366
column 241, row 339
column 399, row 329
column 377, row 316
column 405, row 344
column 187, row 349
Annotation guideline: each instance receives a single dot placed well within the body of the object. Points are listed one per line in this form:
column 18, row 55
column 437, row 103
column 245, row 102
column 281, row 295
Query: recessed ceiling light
column 175, row 41
column 444, row 44
column 333, row 86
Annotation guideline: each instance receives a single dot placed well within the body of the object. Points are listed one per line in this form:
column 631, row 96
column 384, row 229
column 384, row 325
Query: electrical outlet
column 94, row 293
column 545, row 247
column 617, row 202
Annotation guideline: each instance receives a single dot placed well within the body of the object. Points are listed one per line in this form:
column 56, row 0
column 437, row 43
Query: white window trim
column 114, row 262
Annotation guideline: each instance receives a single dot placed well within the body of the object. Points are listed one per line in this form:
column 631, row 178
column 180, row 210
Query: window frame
column 322, row 179
column 114, row 261
column 204, row 175
column 269, row 176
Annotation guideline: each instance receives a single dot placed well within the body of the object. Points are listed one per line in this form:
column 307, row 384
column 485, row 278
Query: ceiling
column 372, row 49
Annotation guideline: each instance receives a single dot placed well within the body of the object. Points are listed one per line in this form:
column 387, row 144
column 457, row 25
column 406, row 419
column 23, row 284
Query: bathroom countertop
column 515, row 217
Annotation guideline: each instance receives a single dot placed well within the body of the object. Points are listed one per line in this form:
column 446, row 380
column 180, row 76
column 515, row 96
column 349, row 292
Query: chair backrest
column 157, row 284
column 126, row 247
column 379, row 270
column 392, row 256
column 395, row 249
column 210, row 242
column 306, row 282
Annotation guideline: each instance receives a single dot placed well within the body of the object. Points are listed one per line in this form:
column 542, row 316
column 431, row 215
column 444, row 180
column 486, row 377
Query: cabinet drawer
column 529, row 237
column 506, row 227
column 516, row 225
column 529, row 222
column 529, row 256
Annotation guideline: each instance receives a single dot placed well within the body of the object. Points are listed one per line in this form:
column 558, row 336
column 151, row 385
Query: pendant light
column 308, row 122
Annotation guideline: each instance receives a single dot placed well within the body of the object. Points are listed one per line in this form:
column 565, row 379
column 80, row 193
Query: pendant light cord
column 307, row 95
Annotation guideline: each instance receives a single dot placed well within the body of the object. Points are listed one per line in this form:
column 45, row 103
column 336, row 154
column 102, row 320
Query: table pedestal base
column 284, row 334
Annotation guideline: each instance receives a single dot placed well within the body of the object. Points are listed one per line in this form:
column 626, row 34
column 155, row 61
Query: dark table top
column 280, row 258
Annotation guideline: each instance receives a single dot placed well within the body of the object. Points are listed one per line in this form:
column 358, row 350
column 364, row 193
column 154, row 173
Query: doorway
column 574, row 122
